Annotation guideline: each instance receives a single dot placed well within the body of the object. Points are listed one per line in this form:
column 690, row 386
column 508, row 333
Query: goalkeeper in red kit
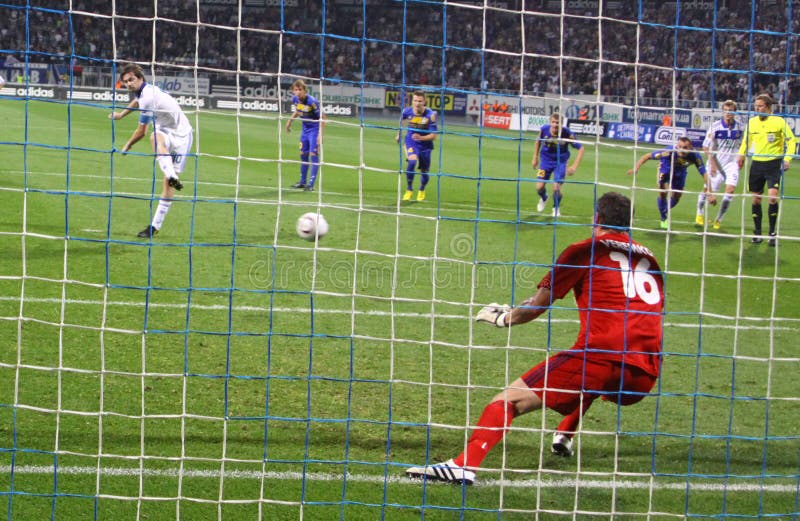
column 619, row 292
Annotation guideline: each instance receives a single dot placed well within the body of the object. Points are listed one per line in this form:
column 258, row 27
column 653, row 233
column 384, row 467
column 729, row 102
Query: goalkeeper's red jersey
column 619, row 292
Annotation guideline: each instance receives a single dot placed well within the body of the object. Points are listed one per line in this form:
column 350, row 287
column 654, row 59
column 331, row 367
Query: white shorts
column 179, row 148
column 730, row 175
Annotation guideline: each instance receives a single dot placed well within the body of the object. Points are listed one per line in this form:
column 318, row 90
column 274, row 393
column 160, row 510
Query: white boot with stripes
column 448, row 472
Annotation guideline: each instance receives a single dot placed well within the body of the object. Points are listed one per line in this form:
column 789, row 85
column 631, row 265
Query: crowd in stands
column 684, row 53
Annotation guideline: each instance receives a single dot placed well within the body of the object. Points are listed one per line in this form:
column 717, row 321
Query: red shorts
column 566, row 379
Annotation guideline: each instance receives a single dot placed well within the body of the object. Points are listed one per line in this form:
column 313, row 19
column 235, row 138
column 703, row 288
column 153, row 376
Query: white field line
column 640, row 484
column 468, row 208
column 220, row 307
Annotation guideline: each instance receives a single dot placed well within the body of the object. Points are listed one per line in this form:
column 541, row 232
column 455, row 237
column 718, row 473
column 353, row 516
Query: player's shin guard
column 701, row 203
column 756, row 210
column 662, row 208
column 314, row 169
column 165, row 163
column 303, row 168
column 424, row 178
column 492, row 426
column 161, row 213
column 772, row 215
column 542, row 193
column 723, row 207
column 412, row 166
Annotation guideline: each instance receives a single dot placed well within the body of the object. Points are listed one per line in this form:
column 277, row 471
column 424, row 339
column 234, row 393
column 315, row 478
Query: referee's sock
column 756, row 219
column 772, row 215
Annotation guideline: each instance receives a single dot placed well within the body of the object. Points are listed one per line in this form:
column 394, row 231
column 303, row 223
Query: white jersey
column 161, row 109
column 723, row 143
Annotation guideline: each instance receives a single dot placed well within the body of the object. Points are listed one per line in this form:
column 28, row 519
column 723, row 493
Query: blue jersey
column 309, row 111
column 419, row 124
column 555, row 149
column 671, row 162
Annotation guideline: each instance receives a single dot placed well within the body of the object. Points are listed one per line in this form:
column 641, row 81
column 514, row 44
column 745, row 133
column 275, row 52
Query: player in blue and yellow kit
column 307, row 108
column 672, row 170
column 550, row 157
column 420, row 135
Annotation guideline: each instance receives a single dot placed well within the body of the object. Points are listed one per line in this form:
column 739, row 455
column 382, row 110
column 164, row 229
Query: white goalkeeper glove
column 495, row 314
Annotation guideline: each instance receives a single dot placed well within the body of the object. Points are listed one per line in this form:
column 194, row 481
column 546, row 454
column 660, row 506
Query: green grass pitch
column 231, row 370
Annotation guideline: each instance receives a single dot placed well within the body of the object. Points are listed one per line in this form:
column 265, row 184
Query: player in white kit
column 721, row 145
column 171, row 138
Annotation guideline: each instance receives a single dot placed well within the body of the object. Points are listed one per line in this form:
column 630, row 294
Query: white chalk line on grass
column 261, row 309
column 628, row 484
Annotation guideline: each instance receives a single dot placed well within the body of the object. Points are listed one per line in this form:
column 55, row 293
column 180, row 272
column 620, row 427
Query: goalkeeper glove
column 495, row 314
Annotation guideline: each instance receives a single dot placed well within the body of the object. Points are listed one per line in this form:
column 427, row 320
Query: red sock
column 494, row 420
column 569, row 425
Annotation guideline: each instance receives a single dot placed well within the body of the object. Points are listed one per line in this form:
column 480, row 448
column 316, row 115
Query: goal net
column 226, row 368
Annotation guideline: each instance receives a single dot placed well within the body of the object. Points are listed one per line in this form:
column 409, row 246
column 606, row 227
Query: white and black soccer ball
column 312, row 225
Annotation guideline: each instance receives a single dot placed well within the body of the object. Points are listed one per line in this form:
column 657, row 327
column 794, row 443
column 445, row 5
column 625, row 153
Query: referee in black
column 771, row 144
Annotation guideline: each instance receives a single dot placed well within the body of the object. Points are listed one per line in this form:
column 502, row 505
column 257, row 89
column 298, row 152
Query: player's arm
column 133, row 105
column 706, row 173
column 791, row 147
column 537, row 147
column 399, row 129
column 642, row 160
column 743, row 147
column 321, row 127
column 294, row 115
column 137, row 135
column 505, row 316
column 575, row 164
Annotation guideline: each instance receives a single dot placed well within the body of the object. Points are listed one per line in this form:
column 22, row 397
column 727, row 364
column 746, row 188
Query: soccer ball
column 312, row 225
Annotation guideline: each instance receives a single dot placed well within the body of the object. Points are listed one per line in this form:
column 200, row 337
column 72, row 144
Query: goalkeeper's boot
column 147, row 233
column 562, row 445
column 299, row 184
column 699, row 220
column 717, row 225
column 407, row 195
column 309, row 188
column 757, row 239
column 556, row 212
column 421, row 195
column 664, row 224
column 175, row 183
column 541, row 205
column 772, row 240
column 447, row 472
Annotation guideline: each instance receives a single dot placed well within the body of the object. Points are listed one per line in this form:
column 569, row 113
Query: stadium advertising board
column 630, row 132
column 583, row 128
column 528, row 123
column 98, row 95
column 436, row 101
column 340, row 110
column 794, row 123
column 652, row 116
column 513, row 104
column 497, row 120
column 34, row 73
column 183, row 85
column 668, row 135
column 33, row 91
column 703, row 118
column 368, row 97
column 697, row 135
column 248, row 105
